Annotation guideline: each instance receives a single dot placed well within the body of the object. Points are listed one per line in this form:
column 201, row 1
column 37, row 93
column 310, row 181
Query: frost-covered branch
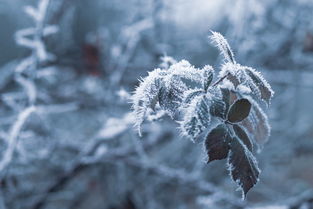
column 13, row 136
column 225, row 114
column 25, row 72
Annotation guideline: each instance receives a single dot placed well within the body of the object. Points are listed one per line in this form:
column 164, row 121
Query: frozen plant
column 225, row 113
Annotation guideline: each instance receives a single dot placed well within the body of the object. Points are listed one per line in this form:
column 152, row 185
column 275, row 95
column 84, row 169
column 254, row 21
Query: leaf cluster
column 190, row 97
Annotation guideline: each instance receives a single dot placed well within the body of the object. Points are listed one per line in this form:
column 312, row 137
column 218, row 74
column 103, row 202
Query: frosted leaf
column 182, row 90
column 146, row 95
column 257, row 124
column 196, row 117
column 170, row 99
column 265, row 90
column 239, row 110
column 221, row 43
column 217, row 143
column 233, row 73
column 248, row 77
column 242, row 89
column 227, row 85
column 208, row 74
column 243, row 136
column 243, row 166
column 218, row 107
column 185, row 72
column 190, row 94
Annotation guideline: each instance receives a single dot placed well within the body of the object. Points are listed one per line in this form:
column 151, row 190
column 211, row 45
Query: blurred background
column 68, row 67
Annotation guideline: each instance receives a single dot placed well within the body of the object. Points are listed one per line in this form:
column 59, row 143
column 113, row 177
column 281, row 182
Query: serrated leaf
column 217, row 143
column 243, row 166
column 191, row 94
column 257, row 125
column 169, row 100
column 207, row 77
column 242, row 135
column 239, row 111
column 222, row 44
column 265, row 90
column 196, row 117
column 146, row 95
column 226, row 98
column 217, row 108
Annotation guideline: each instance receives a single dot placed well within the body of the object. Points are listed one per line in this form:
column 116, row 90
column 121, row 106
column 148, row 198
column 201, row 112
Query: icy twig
column 13, row 136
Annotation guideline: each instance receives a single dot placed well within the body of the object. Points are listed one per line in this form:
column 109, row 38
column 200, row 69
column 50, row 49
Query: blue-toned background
column 66, row 133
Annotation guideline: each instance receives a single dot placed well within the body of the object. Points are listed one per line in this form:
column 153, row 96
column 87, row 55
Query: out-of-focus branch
column 133, row 36
column 13, row 136
column 87, row 161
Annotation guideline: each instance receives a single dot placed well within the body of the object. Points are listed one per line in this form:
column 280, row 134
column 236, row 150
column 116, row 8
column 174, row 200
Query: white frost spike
column 167, row 61
column 222, row 44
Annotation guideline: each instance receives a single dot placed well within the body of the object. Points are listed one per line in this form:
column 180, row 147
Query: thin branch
column 13, row 136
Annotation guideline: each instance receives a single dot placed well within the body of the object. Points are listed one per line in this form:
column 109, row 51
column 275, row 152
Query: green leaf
column 242, row 135
column 217, row 143
column 239, row 111
column 243, row 166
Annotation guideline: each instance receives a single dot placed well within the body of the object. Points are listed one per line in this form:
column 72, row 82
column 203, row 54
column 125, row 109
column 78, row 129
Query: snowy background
column 67, row 68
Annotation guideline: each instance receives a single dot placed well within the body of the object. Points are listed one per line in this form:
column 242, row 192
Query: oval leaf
column 217, row 143
column 239, row 111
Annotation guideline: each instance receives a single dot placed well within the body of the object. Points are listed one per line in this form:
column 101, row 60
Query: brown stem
column 220, row 80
